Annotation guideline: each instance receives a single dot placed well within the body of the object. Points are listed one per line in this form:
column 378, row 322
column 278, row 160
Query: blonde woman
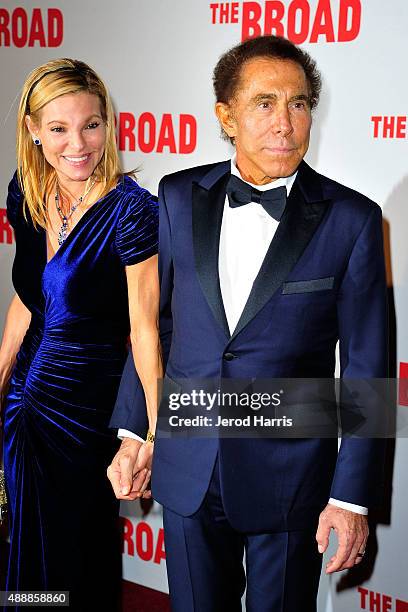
column 85, row 275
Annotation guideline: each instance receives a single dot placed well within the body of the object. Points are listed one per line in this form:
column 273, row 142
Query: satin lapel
column 303, row 214
column 208, row 206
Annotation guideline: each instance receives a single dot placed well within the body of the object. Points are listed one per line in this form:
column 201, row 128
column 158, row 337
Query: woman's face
column 72, row 134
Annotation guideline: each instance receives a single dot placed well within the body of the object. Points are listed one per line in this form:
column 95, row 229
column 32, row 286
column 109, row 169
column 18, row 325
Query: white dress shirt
column 246, row 233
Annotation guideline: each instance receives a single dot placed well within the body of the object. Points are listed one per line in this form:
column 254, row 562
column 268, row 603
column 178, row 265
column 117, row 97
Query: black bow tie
column 240, row 193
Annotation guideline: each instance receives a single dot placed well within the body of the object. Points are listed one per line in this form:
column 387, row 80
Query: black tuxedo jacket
column 322, row 281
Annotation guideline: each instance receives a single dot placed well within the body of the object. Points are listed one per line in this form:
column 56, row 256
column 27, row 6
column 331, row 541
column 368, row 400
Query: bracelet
column 150, row 436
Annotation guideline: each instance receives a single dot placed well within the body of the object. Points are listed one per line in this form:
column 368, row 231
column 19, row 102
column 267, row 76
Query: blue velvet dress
column 57, row 445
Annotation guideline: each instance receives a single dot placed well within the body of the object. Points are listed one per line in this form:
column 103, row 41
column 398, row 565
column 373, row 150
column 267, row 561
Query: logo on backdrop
column 379, row 602
column 162, row 134
column 36, row 28
column 6, row 233
column 389, row 126
column 403, row 384
column 326, row 21
column 139, row 539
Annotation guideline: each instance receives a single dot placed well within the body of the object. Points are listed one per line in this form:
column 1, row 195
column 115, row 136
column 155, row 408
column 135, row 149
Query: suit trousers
column 205, row 563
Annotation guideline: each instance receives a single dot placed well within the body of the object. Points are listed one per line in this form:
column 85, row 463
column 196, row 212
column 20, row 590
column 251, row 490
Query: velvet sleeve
column 137, row 230
column 14, row 199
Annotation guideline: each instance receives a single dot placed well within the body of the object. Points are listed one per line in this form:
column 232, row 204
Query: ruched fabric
column 64, row 517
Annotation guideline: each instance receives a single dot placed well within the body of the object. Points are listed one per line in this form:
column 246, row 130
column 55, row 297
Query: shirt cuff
column 125, row 433
column 348, row 506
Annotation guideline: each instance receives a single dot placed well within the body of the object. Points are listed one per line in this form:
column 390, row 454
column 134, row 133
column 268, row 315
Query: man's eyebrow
column 304, row 97
column 264, row 96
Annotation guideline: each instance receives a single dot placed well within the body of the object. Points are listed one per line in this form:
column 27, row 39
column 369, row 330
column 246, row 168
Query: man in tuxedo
column 264, row 266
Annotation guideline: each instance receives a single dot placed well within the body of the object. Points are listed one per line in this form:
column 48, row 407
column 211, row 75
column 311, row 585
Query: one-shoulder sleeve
column 14, row 198
column 137, row 232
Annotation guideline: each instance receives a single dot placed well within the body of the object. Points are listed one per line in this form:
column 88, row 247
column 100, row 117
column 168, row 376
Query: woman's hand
column 144, row 462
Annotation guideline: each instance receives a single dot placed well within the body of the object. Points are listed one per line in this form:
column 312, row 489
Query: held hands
column 130, row 470
column 352, row 533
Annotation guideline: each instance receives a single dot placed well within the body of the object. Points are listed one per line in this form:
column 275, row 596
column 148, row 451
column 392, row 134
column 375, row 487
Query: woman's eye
column 92, row 126
column 57, row 129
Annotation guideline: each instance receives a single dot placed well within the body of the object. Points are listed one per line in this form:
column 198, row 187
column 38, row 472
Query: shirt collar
column 286, row 181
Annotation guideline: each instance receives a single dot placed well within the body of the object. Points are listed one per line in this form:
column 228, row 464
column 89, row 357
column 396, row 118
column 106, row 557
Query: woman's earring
column 36, row 141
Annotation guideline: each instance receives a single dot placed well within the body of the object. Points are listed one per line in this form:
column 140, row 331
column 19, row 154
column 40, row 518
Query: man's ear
column 226, row 118
column 31, row 126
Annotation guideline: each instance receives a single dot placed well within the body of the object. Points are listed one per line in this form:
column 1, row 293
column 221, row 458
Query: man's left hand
column 352, row 534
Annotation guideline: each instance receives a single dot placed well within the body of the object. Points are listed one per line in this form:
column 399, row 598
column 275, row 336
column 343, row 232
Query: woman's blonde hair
column 44, row 84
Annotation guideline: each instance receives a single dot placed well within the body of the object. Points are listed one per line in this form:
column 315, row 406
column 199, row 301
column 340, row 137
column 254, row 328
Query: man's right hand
column 129, row 479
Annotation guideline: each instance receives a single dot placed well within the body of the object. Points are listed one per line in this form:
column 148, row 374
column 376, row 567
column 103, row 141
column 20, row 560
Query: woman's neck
column 73, row 190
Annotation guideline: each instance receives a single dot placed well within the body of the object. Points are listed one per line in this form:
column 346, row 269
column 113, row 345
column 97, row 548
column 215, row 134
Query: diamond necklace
column 63, row 233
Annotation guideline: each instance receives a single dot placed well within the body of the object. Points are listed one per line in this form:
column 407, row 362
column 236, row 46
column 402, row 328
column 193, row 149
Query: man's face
column 269, row 118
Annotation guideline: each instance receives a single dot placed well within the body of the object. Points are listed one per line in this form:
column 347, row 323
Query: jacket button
column 229, row 356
